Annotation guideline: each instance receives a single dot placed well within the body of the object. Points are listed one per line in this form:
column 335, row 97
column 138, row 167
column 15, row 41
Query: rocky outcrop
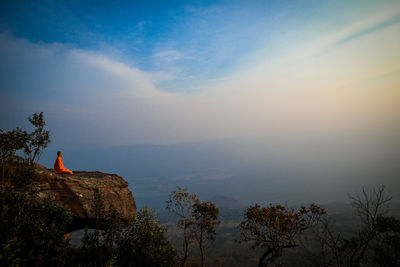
column 76, row 193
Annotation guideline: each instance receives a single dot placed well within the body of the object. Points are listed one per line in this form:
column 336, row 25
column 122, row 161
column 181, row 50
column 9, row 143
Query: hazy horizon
column 299, row 94
column 241, row 170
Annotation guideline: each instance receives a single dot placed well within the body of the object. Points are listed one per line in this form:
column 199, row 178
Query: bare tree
column 337, row 250
column 327, row 247
column 369, row 206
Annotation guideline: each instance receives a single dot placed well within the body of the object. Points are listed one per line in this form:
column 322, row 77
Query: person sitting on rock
column 58, row 165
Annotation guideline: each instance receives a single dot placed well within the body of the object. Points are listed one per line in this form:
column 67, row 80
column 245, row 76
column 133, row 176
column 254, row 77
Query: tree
column 99, row 213
column 10, row 143
column 337, row 250
column 181, row 203
column 113, row 231
column 99, row 245
column 144, row 243
column 93, row 247
column 119, row 242
column 13, row 168
column 205, row 221
column 276, row 227
column 328, row 250
column 31, row 230
column 36, row 141
column 387, row 247
column 368, row 207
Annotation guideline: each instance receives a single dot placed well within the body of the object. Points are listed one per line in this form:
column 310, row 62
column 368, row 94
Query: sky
column 109, row 73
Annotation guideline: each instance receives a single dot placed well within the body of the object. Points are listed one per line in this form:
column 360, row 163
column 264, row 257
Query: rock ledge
column 76, row 193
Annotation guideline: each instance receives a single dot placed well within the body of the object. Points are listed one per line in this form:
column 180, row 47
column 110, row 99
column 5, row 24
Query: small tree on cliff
column 181, row 203
column 14, row 170
column 276, row 227
column 205, row 221
column 37, row 140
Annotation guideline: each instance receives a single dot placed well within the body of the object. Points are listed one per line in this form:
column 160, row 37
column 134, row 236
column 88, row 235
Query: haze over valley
column 249, row 171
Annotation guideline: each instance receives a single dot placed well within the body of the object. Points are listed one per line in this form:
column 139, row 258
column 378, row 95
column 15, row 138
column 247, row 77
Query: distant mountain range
column 235, row 171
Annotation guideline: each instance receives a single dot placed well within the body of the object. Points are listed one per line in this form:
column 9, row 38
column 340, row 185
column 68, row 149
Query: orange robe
column 59, row 167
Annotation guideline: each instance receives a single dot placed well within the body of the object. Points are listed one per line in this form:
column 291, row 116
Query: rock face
column 76, row 193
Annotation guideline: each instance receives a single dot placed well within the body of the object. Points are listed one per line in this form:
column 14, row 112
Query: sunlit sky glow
column 108, row 73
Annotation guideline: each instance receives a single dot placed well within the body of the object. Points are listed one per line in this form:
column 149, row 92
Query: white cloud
column 91, row 98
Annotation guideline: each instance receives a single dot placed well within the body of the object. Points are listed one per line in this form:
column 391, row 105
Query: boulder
column 76, row 193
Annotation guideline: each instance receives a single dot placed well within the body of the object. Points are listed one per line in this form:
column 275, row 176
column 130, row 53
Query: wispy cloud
column 170, row 55
column 298, row 91
column 371, row 23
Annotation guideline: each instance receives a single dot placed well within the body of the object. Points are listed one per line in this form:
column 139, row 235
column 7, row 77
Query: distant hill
column 245, row 170
column 226, row 202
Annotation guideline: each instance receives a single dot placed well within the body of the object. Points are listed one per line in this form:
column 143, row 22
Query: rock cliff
column 76, row 193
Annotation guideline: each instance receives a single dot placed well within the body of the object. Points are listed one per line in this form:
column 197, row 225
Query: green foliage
column 99, row 246
column 99, row 212
column 144, row 243
column 10, row 143
column 276, row 227
column 113, row 229
column 31, row 230
column 36, row 141
column 14, row 168
column 115, row 241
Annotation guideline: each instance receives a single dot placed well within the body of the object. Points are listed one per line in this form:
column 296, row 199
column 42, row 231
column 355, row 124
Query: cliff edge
column 76, row 193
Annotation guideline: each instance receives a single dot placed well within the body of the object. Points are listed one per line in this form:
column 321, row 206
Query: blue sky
column 125, row 72
column 312, row 82
column 193, row 40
